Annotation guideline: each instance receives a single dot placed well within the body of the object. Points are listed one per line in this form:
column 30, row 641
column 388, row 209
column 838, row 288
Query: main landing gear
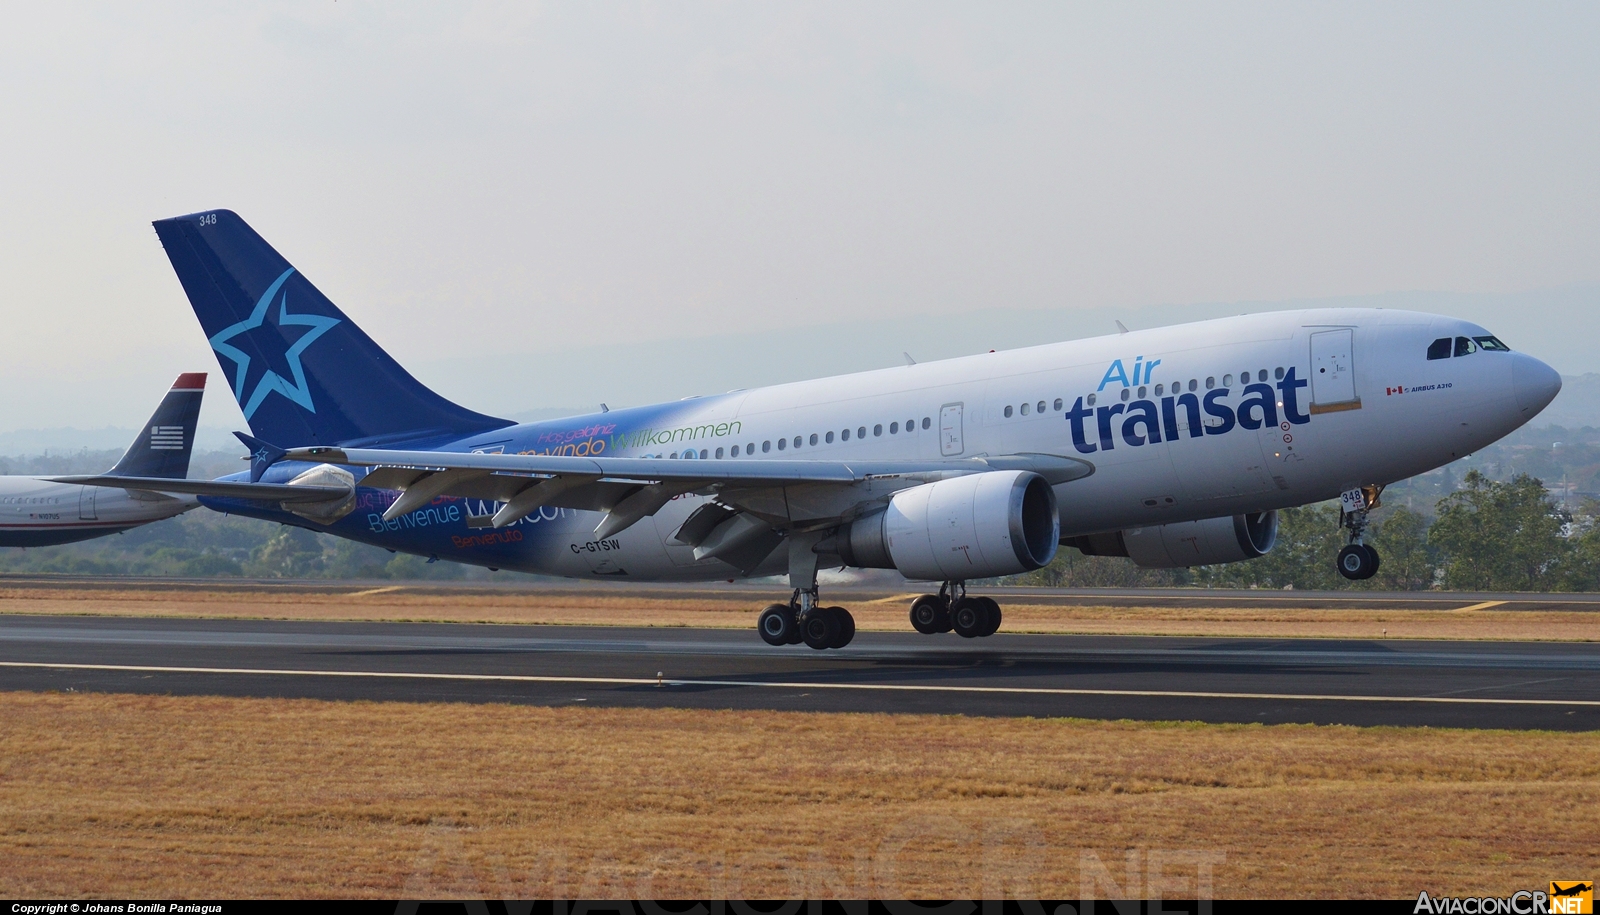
column 1358, row 561
column 801, row 620
column 952, row 609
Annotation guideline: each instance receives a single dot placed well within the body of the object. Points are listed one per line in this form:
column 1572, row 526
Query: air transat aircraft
column 39, row 511
column 1173, row 447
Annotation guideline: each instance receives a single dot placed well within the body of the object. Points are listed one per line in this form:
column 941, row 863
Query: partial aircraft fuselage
column 1189, row 422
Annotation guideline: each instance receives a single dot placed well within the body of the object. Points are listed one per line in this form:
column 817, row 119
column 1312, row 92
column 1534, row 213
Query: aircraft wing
column 266, row 492
column 782, row 493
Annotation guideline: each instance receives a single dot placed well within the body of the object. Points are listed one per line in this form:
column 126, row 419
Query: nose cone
column 1534, row 383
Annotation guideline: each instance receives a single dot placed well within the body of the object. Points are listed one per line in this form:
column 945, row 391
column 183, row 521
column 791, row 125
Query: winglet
column 262, row 455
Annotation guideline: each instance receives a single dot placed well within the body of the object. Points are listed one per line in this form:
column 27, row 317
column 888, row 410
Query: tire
column 847, row 626
column 1357, row 562
column 928, row 613
column 969, row 617
column 820, row 628
column 994, row 617
column 777, row 625
column 1377, row 561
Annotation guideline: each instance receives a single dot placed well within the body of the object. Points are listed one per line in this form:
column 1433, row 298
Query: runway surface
column 1552, row 685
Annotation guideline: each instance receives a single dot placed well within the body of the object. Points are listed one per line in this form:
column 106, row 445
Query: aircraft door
column 86, row 496
column 950, row 430
column 1333, row 377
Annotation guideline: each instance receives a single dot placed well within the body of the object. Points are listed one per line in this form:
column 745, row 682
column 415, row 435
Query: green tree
column 291, row 552
column 1408, row 561
column 1498, row 536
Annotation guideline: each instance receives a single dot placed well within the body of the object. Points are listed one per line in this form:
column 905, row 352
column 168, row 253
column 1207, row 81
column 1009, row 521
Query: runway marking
column 1483, row 606
column 772, row 684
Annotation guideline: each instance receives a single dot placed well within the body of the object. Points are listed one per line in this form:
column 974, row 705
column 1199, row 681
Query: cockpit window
column 1439, row 349
column 1492, row 344
column 1465, row 347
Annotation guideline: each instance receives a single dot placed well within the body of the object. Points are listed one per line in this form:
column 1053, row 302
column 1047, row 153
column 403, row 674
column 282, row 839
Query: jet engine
column 1187, row 543
column 1001, row 522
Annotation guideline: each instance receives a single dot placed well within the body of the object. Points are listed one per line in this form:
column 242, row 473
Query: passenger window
column 1492, row 344
column 1193, row 384
column 1008, row 411
column 1465, row 347
column 704, row 453
column 1024, row 409
column 844, row 436
column 1278, row 373
column 1261, row 375
column 1058, row 403
column 1126, row 392
column 1439, row 349
column 797, row 440
column 911, row 425
column 878, row 429
column 1227, row 381
column 1090, row 401
column 1158, row 390
column 814, row 437
column 1211, row 382
column 861, row 432
column 827, row 438
column 750, row 448
column 1041, row 406
column 894, row 428
column 719, row 452
column 926, row 422
column 1142, row 391
column 765, row 447
column 782, row 443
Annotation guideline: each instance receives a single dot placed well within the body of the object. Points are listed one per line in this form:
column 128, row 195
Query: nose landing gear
column 1358, row 561
column 952, row 608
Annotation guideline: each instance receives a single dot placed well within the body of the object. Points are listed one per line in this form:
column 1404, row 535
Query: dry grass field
column 738, row 607
column 119, row 795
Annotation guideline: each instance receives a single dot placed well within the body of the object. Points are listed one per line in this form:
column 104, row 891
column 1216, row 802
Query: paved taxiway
column 1458, row 684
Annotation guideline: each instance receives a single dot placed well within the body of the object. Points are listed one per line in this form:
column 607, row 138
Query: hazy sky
column 655, row 200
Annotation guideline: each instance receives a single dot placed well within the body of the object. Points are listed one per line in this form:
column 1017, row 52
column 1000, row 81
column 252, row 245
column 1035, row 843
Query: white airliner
column 1171, row 446
column 38, row 511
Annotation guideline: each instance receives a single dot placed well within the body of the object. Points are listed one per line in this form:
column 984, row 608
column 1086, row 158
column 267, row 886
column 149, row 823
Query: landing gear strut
column 953, row 609
column 1358, row 561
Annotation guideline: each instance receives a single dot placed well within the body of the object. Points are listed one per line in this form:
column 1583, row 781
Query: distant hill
column 1577, row 405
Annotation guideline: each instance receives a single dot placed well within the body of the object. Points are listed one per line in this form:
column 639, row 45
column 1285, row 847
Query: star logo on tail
column 270, row 381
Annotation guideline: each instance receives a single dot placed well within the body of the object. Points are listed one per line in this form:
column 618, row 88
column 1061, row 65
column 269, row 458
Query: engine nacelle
column 1187, row 543
column 1001, row 522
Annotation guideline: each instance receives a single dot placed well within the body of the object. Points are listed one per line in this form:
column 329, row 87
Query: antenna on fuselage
column 909, row 360
column 1122, row 328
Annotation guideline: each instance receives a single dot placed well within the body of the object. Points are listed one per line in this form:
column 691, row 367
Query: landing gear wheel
column 1377, row 561
column 929, row 615
column 847, row 626
column 777, row 625
column 1358, row 562
column 969, row 617
column 994, row 616
column 820, row 628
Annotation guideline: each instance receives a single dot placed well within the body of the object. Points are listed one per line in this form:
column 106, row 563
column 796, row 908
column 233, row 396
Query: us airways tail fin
column 302, row 371
column 163, row 446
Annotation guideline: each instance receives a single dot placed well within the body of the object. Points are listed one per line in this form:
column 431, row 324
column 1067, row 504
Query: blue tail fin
column 164, row 444
column 302, row 371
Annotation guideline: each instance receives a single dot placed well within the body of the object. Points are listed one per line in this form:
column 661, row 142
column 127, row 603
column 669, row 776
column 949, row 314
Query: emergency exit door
column 950, row 430
column 1333, row 376
column 86, row 503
